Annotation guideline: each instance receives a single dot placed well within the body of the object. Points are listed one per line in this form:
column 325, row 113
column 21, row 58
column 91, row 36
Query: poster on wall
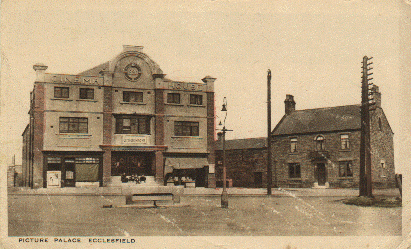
column 53, row 179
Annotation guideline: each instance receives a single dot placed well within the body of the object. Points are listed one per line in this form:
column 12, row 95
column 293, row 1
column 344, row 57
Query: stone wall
column 242, row 165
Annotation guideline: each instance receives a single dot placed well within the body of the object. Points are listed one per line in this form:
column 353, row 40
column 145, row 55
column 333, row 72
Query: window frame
column 345, row 142
column 319, row 143
column 58, row 92
column 293, row 173
column 138, row 124
column 186, row 129
column 137, row 97
column 196, row 99
column 172, row 98
column 342, row 169
column 293, row 144
column 73, row 125
column 87, row 90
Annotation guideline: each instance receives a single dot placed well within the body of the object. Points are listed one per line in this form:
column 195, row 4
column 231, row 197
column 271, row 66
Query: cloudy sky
column 314, row 49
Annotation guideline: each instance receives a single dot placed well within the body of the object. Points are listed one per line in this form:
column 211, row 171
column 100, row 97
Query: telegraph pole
column 269, row 173
column 365, row 148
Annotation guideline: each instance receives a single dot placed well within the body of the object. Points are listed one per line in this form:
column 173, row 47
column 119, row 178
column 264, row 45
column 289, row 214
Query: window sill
column 134, row 134
column 196, row 106
column 74, row 135
column 345, row 150
column 173, row 104
column 132, row 103
column 64, row 99
column 87, row 100
column 295, row 179
column 345, row 178
column 197, row 137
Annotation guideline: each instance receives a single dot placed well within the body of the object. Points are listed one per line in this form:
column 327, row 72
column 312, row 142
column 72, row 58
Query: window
column 345, row 142
column 61, row 92
column 383, row 168
column 132, row 96
column 54, row 164
column 196, row 99
column 293, row 142
column 173, row 98
column 86, row 93
column 319, row 143
column 87, row 160
column 345, row 169
column 73, row 125
column 133, row 125
column 294, row 170
column 184, row 128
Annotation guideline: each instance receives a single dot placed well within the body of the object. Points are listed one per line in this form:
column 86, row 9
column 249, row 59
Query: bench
column 148, row 197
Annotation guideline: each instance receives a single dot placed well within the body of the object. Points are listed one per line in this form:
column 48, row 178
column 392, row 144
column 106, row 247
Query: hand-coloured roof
column 95, row 71
column 239, row 144
column 320, row 120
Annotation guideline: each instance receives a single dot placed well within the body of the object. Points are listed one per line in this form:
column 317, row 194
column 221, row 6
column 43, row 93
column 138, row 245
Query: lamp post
column 224, row 194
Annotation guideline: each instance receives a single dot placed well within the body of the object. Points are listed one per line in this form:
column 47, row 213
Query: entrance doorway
column 321, row 174
column 69, row 172
column 131, row 163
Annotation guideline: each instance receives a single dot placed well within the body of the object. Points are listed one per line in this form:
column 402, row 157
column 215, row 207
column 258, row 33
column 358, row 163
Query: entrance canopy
column 184, row 163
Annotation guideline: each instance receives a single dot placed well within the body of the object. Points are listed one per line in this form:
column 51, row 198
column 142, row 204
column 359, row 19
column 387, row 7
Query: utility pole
column 269, row 172
column 365, row 148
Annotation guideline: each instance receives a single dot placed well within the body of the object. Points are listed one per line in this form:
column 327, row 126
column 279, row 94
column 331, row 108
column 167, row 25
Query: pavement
column 281, row 192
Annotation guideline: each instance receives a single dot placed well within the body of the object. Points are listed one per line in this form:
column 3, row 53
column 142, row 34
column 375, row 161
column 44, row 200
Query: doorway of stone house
column 321, row 174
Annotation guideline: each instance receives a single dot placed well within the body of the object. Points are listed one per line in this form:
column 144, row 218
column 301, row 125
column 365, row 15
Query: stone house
column 321, row 147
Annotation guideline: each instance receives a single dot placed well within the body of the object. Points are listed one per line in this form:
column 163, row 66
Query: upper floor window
column 345, row 142
column 293, row 143
column 345, row 169
column 294, row 170
column 132, row 96
column 196, row 99
column 186, row 128
column 319, row 143
column 73, row 125
column 61, row 92
column 173, row 98
column 133, row 125
column 86, row 93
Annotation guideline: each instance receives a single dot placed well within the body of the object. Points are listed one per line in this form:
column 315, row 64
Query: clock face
column 132, row 71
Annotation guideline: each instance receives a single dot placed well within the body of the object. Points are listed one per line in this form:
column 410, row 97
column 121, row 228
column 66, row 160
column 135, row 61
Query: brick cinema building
column 123, row 117
column 315, row 148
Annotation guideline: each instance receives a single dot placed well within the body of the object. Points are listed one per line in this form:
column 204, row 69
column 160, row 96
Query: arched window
column 319, row 143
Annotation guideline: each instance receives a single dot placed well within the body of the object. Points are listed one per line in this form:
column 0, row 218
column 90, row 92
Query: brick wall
column 107, row 132
column 38, row 131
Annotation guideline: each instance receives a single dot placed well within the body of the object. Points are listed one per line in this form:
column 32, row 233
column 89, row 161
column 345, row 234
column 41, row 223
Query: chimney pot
column 289, row 104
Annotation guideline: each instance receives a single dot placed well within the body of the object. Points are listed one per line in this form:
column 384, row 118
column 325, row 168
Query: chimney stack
column 376, row 95
column 289, row 104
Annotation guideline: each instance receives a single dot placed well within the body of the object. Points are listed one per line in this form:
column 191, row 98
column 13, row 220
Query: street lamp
column 224, row 194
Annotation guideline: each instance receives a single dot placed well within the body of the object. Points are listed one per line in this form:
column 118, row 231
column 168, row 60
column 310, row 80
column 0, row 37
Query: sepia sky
column 314, row 49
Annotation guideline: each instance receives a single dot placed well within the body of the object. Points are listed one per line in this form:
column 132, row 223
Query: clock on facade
column 132, row 71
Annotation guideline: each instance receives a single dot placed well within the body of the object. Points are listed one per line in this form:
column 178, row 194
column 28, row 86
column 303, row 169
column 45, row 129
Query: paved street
column 77, row 215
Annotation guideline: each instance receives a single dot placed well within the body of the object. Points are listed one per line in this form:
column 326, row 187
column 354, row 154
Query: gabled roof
column 95, row 71
column 320, row 120
column 239, row 144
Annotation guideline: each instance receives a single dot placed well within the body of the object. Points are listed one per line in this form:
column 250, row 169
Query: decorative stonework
column 132, row 72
